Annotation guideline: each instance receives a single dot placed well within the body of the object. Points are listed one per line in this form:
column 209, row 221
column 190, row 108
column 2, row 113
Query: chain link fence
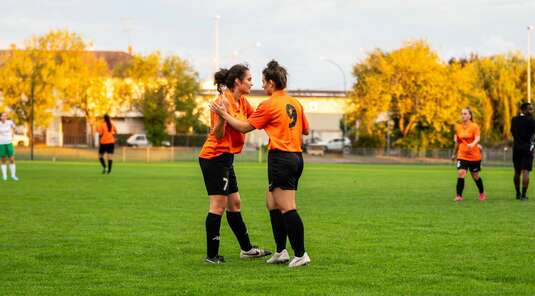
column 499, row 157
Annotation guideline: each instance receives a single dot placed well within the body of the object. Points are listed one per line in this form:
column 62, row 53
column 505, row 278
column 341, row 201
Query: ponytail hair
column 227, row 77
column 277, row 74
column 108, row 122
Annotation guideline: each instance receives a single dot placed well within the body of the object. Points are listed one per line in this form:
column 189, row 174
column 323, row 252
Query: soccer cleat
column 14, row 178
column 459, row 198
column 524, row 198
column 482, row 196
column 518, row 196
column 254, row 252
column 299, row 261
column 279, row 257
column 215, row 260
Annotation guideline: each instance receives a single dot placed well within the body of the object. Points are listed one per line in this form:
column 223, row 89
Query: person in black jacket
column 523, row 129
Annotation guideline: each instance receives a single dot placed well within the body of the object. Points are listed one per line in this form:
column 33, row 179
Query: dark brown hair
column 227, row 78
column 277, row 74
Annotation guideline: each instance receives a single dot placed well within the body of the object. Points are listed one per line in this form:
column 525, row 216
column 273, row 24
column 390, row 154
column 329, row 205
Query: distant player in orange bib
column 283, row 119
column 107, row 132
column 216, row 161
column 468, row 153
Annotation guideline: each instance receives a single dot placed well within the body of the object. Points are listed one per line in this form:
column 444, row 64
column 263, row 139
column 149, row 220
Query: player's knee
column 461, row 174
column 219, row 210
column 234, row 206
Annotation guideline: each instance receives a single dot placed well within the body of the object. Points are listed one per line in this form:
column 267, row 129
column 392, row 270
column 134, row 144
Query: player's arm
column 455, row 148
column 219, row 128
column 475, row 142
column 513, row 128
column 306, row 125
column 239, row 125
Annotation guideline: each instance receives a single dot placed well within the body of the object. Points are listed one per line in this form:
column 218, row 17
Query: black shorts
column 218, row 174
column 472, row 166
column 284, row 169
column 106, row 148
column 522, row 159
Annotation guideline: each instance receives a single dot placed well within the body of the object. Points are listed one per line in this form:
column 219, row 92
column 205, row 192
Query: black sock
column 516, row 181
column 279, row 229
column 235, row 221
column 101, row 159
column 479, row 183
column 460, row 186
column 524, row 191
column 110, row 162
column 296, row 232
column 213, row 224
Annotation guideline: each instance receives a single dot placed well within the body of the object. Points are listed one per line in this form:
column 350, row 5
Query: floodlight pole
column 345, row 94
column 216, row 42
column 530, row 28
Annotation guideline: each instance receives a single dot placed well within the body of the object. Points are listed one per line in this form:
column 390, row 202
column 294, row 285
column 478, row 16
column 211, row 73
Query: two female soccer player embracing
column 283, row 119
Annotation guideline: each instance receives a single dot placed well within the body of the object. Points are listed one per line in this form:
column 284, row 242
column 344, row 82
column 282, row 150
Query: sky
column 294, row 32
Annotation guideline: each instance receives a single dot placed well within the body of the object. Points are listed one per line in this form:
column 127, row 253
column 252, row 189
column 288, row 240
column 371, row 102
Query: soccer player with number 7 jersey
column 216, row 160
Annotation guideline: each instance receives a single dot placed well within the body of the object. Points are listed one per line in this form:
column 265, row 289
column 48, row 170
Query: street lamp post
column 216, row 42
column 344, row 89
column 530, row 28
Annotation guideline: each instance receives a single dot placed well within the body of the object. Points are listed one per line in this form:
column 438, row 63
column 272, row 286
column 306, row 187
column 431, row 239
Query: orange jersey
column 233, row 140
column 283, row 119
column 106, row 136
column 465, row 135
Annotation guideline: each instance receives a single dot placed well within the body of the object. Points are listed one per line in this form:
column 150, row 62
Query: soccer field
column 65, row 229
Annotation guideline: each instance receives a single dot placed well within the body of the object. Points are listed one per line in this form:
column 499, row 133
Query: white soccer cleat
column 279, row 258
column 299, row 261
column 14, row 178
column 254, row 252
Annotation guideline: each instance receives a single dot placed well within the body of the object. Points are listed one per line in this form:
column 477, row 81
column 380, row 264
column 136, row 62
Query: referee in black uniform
column 523, row 128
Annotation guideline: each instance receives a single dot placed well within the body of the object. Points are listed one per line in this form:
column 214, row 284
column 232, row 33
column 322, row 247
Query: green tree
column 156, row 113
column 162, row 89
column 184, row 86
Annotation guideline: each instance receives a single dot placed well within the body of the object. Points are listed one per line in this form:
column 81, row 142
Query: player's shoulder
column 267, row 103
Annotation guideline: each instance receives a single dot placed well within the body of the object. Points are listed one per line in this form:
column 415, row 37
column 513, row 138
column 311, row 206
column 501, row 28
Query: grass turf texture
column 65, row 229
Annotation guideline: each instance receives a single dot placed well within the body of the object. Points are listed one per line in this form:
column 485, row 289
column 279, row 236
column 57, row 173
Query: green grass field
column 369, row 229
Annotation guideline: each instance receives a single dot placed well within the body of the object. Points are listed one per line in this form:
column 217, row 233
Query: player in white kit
column 6, row 146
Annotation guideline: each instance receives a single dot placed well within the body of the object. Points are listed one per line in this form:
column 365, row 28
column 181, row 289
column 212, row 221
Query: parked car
column 338, row 144
column 141, row 140
column 21, row 140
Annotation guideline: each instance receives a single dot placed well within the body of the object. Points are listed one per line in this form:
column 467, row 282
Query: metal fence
column 251, row 154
